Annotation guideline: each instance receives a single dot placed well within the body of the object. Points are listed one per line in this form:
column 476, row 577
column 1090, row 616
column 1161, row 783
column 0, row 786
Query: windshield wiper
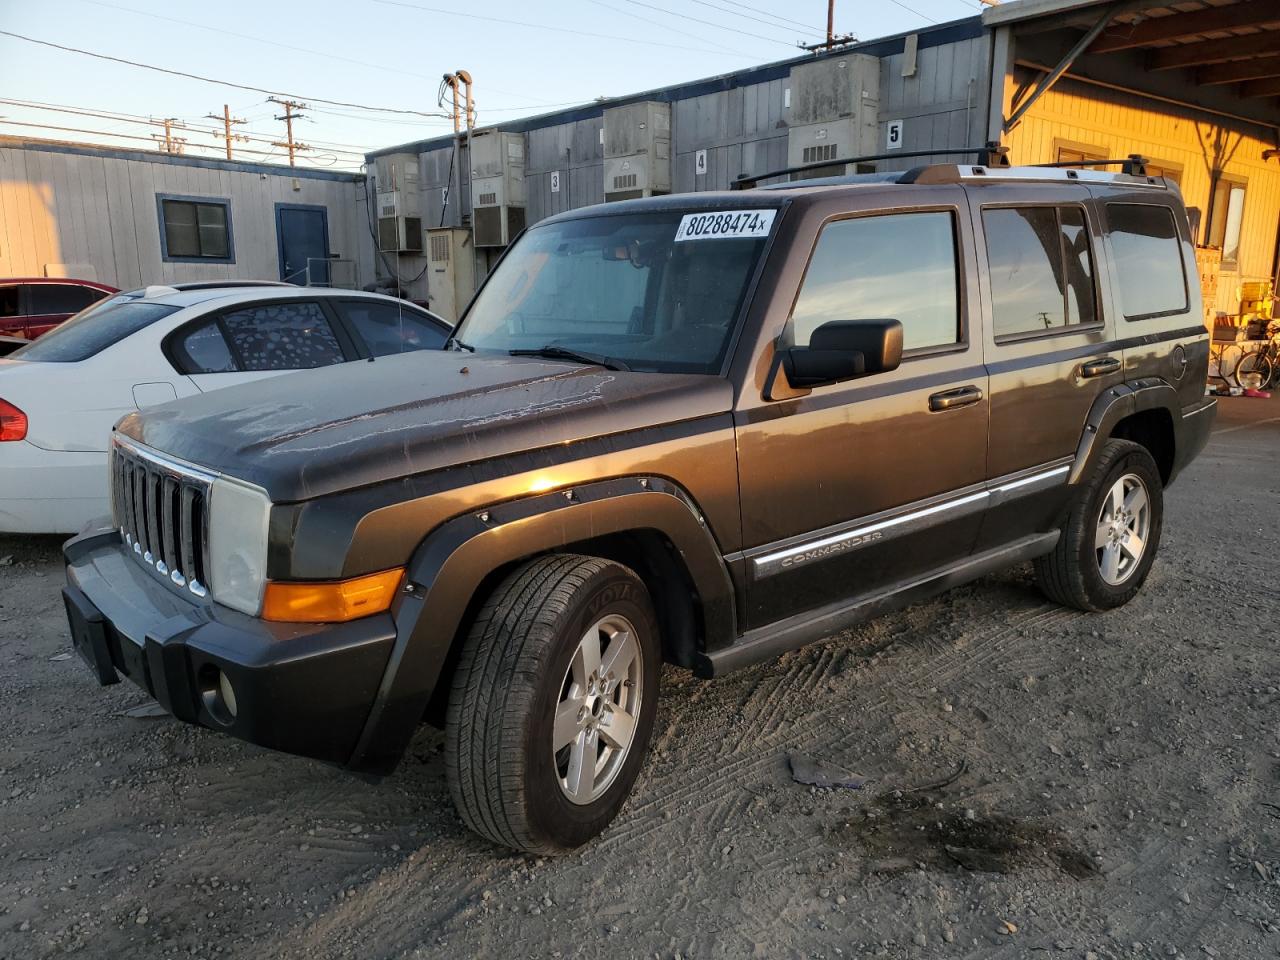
column 453, row 342
column 553, row 352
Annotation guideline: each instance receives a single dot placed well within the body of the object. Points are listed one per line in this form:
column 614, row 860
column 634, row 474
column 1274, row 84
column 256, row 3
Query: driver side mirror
column 842, row 350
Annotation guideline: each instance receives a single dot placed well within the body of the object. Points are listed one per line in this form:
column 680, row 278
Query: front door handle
column 959, row 397
column 1099, row 367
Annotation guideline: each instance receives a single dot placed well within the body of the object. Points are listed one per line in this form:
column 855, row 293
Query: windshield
column 658, row 292
column 92, row 330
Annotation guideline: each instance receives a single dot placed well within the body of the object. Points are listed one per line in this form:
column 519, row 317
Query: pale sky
column 525, row 58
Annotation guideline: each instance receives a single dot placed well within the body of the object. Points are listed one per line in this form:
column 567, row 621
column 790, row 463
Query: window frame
column 178, row 358
column 1229, row 180
column 1100, row 319
column 1087, row 150
column 224, row 202
column 786, row 338
column 1113, row 266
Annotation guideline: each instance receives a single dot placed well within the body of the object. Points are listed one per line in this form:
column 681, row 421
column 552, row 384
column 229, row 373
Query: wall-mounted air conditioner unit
column 497, row 187
column 399, row 203
column 835, row 108
column 637, row 150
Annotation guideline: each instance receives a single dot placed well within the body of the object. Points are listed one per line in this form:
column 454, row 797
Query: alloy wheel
column 1124, row 523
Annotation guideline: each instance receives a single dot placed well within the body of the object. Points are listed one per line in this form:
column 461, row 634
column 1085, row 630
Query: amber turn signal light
column 332, row 601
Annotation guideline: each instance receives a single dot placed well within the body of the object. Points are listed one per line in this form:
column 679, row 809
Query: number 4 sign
column 893, row 140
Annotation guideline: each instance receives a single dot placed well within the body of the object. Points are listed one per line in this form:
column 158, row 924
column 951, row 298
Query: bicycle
column 1256, row 370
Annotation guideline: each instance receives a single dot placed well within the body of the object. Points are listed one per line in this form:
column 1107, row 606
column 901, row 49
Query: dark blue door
column 303, row 234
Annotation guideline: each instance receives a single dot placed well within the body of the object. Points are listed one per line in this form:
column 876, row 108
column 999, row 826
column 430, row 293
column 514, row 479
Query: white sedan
column 61, row 394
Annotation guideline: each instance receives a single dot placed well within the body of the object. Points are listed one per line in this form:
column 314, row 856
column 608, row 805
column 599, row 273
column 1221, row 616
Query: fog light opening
column 218, row 695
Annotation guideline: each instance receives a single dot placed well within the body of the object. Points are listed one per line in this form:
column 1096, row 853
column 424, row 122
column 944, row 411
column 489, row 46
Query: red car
column 30, row 306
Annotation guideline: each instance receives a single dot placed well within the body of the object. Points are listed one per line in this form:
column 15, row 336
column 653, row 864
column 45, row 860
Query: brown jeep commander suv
column 700, row 429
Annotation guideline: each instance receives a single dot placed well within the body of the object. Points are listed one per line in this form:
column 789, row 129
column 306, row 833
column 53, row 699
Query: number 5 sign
column 893, row 140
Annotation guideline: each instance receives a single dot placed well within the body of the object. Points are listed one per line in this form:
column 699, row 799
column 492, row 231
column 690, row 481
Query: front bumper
column 305, row 689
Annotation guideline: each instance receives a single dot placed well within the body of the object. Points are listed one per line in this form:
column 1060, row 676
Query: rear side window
column 1148, row 260
column 894, row 267
column 283, row 336
column 92, row 332
column 61, row 298
column 389, row 328
column 205, row 350
column 1041, row 269
column 8, row 301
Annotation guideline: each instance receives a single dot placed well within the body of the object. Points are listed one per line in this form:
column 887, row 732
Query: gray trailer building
column 1193, row 87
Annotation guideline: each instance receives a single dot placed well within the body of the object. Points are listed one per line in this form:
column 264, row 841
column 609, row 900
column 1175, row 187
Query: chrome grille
column 161, row 508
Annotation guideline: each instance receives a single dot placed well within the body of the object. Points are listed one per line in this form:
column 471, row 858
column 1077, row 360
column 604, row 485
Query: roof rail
column 990, row 154
column 1135, row 165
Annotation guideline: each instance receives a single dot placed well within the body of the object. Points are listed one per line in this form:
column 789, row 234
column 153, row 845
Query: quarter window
column 195, row 229
column 283, row 336
column 1041, row 269
column 897, row 266
column 1148, row 260
column 206, row 350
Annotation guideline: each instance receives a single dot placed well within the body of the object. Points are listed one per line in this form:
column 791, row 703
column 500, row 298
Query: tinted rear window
column 1148, row 257
column 92, row 331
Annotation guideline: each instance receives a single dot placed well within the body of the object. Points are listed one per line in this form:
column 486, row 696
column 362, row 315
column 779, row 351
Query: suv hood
column 322, row 431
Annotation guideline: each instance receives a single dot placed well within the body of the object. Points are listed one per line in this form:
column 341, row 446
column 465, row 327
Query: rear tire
column 1111, row 534
column 1254, row 372
column 552, row 704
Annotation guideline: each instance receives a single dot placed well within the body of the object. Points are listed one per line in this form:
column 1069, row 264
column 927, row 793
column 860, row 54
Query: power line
column 283, row 46
column 709, row 23
column 644, row 19
column 255, row 136
column 203, row 79
column 924, row 16
column 746, row 16
column 544, row 26
column 787, row 20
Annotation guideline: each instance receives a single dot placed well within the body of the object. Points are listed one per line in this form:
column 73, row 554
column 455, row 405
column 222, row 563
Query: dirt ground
column 1040, row 783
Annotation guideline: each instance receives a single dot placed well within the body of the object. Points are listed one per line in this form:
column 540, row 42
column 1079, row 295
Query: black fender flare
column 455, row 558
column 1112, row 406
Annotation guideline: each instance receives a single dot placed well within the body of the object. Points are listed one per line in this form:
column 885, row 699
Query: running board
column 765, row 643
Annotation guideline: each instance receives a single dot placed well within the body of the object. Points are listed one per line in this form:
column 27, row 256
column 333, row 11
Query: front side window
column 283, row 336
column 657, row 291
column 92, row 331
column 10, row 303
column 53, row 298
column 891, row 267
column 196, row 229
column 1226, row 220
column 389, row 328
column 1041, row 269
column 1148, row 260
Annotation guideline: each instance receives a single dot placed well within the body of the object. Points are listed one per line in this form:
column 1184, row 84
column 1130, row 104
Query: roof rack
column 990, row 154
column 1134, row 165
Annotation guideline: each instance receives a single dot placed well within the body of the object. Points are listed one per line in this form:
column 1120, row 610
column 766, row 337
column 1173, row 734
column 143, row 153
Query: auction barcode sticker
column 725, row 225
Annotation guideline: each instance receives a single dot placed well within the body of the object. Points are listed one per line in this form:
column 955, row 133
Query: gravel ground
column 1039, row 783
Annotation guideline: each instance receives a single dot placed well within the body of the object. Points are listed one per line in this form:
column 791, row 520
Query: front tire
column 1111, row 535
column 552, row 704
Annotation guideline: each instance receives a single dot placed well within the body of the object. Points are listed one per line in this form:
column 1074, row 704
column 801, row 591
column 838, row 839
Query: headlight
column 238, row 517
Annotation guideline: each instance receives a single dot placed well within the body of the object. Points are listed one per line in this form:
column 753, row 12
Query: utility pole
column 291, row 108
column 832, row 40
column 227, row 122
column 172, row 144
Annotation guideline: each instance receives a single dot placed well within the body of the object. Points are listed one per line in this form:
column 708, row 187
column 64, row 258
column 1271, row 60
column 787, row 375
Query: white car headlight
column 238, row 517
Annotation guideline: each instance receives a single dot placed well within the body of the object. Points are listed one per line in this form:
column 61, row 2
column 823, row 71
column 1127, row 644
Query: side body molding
column 1112, row 406
column 453, row 561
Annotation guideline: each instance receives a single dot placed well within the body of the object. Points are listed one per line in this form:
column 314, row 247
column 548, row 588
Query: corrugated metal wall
column 1079, row 115
column 65, row 207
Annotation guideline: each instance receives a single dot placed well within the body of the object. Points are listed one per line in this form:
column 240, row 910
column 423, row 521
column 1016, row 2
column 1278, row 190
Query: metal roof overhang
column 1222, row 56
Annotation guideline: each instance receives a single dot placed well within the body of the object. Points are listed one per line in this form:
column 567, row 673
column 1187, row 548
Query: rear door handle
column 1099, row 367
column 959, row 397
